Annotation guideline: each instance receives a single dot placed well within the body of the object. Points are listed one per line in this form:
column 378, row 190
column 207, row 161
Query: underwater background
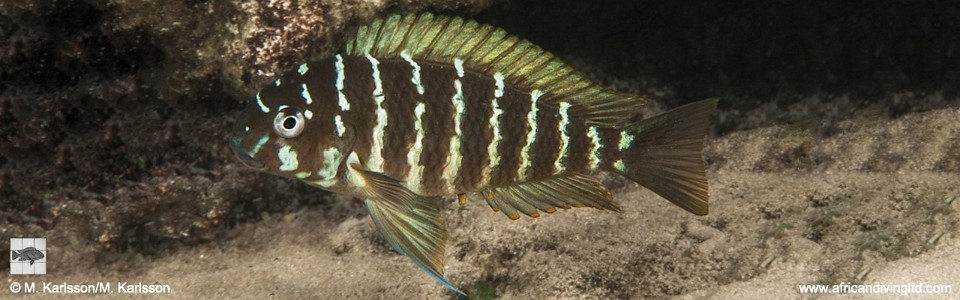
column 834, row 156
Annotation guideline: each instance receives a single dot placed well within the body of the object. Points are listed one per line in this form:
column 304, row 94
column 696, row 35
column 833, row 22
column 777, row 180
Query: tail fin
column 15, row 254
column 665, row 155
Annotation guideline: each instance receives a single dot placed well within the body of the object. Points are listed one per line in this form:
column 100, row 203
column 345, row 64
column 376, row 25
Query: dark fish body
column 447, row 158
column 29, row 253
column 421, row 107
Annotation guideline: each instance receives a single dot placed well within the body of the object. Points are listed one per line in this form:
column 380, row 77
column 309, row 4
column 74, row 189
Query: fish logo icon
column 28, row 256
column 28, row 253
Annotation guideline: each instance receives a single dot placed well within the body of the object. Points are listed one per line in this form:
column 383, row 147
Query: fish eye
column 289, row 122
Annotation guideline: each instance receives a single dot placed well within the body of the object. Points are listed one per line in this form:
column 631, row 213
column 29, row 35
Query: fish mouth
column 248, row 161
column 243, row 157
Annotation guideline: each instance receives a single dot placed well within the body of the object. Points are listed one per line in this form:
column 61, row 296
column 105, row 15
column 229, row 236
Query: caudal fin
column 665, row 155
column 15, row 254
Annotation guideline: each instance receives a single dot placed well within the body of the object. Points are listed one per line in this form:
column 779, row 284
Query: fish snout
column 243, row 156
column 239, row 140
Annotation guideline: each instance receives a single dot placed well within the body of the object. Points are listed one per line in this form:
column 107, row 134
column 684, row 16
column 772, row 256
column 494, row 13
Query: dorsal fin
column 488, row 49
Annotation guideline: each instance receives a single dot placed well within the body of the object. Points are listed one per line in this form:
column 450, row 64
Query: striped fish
column 419, row 108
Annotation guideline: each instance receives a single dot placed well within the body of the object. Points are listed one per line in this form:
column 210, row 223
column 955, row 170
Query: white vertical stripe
column 256, row 147
column 626, row 140
column 619, row 165
column 341, row 76
column 454, row 158
column 263, row 107
column 288, row 158
column 277, row 83
column 494, row 124
column 458, row 64
column 306, row 94
column 413, row 156
column 308, row 113
column 340, row 127
column 595, row 146
column 303, row 69
column 531, row 136
column 558, row 166
column 342, row 98
column 415, row 78
column 499, row 82
column 331, row 161
column 328, row 171
column 375, row 163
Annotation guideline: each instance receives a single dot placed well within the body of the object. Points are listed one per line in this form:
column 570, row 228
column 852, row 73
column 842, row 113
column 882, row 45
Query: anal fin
column 566, row 191
column 410, row 222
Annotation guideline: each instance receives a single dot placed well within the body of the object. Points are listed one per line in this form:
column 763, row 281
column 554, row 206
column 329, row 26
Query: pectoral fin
column 410, row 222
